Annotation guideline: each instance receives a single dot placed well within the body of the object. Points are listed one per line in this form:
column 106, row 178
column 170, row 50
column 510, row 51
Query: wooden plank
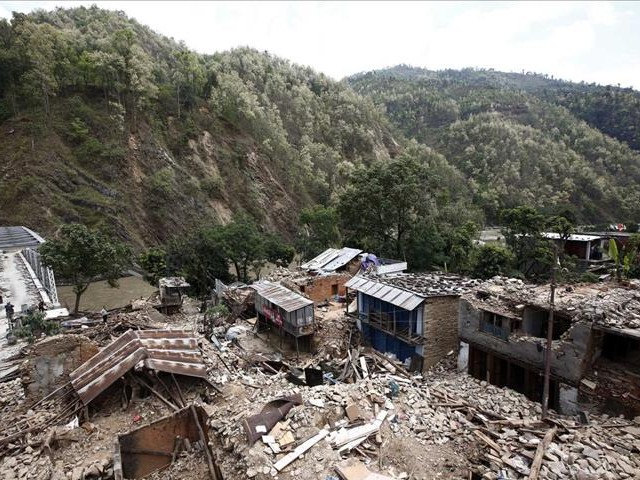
column 363, row 366
column 542, row 447
column 488, row 441
column 287, row 459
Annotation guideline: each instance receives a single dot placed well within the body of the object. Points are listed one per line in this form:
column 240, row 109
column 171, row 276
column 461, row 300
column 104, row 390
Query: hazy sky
column 591, row 41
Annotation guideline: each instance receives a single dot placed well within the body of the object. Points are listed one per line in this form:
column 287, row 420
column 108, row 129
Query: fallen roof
column 331, row 259
column 19, row 237
column 287, row 299
column 609, row 305
column 174, row 351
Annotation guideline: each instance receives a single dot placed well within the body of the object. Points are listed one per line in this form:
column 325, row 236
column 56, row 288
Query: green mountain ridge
column 516, row 138
column 107, row 123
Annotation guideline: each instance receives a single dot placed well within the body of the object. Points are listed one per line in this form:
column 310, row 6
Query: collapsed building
column 288, row 313
column 324, row 276
column 595, row 358
column 412, row 316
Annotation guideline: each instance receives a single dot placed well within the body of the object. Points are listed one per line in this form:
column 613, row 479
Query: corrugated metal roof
column 332, row 259
column 387, row 293
column 344, row 256
column 19, row 237
column 322, row 259
column 572, row 238
column 174, row 351
column 287, row 299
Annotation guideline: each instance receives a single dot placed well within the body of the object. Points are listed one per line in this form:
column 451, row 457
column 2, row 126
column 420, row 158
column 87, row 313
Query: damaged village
column 342, row 367
column 221, row 263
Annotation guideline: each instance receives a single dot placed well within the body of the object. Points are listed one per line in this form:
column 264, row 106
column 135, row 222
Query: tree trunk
column 77, row 305
column 79, row 289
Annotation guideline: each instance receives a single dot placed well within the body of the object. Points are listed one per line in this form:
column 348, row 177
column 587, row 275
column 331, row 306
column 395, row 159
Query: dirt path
column 16, row 286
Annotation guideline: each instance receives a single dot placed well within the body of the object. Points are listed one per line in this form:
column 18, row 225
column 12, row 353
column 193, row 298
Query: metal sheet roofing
column 174, row 351
column 287, row 299
column 386, row 293
column 344, row 256
column 332, row 259
column 19, row 237
column 572, row 238
column 322, row 259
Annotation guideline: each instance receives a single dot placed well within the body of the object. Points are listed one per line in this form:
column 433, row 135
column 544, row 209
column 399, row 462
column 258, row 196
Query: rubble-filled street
column 367, row 418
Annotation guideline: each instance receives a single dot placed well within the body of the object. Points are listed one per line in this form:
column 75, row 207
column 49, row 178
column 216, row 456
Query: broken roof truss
column 173, row 351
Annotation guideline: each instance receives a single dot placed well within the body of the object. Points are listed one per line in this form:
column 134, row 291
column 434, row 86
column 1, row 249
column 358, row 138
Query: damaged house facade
column 288, row 313
column 412, row 316
column 327, row 273
column 595, row 358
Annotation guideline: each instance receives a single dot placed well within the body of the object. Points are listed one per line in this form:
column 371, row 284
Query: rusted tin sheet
column 281, row 296
column 151, row 448
column 174, row 351
column 271, row 414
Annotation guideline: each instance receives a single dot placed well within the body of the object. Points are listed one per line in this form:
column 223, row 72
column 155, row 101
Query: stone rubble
column 498, row 429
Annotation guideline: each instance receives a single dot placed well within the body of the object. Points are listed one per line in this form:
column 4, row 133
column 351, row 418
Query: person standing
column 8, row 308
column 41, row 306
column 104, row 314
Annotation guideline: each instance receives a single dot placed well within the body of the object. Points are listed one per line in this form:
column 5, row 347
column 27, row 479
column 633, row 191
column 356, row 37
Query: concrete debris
column 604, row 304
column 369, row 419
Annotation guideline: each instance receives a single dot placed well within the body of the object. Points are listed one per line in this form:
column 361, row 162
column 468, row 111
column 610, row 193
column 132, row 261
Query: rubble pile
column 367, row 410
column 501, row 427
column 428, row 284
column 605, row 304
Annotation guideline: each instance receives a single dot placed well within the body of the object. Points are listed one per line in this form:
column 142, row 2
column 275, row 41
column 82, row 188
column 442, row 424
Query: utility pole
column 547, row 352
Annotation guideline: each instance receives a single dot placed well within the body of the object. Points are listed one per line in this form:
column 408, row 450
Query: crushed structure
column 285, row 311
column 503, row 327
column 364, row 415
column 172, row 289
column 173, row 351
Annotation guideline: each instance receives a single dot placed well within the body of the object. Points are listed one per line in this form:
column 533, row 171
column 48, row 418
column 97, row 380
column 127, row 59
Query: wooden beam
column 287, row 459
column 542, row 447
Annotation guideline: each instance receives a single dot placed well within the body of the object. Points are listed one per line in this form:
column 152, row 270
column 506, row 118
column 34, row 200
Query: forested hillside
column 107, row 123
column 522, row 139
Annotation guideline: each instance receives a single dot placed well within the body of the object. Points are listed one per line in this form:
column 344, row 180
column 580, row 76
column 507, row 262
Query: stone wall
column 570, row 354
column 440, row 328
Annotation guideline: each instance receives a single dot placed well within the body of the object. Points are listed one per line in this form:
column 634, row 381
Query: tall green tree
column 154, row 262
column 318, row 230
column 492, row 260
column 199, row 257
column 243, row 244
column 82, row 255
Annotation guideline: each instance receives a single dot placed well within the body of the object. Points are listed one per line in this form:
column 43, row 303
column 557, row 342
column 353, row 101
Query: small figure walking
column 41, row 307
column 104, row 314
column 8, row 308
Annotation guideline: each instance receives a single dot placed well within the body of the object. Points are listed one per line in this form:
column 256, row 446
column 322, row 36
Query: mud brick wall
column 319, row 288
column 440, row 328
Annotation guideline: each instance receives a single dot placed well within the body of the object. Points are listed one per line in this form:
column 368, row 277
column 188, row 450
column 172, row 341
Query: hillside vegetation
column 522, row 139
column 107, row 123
